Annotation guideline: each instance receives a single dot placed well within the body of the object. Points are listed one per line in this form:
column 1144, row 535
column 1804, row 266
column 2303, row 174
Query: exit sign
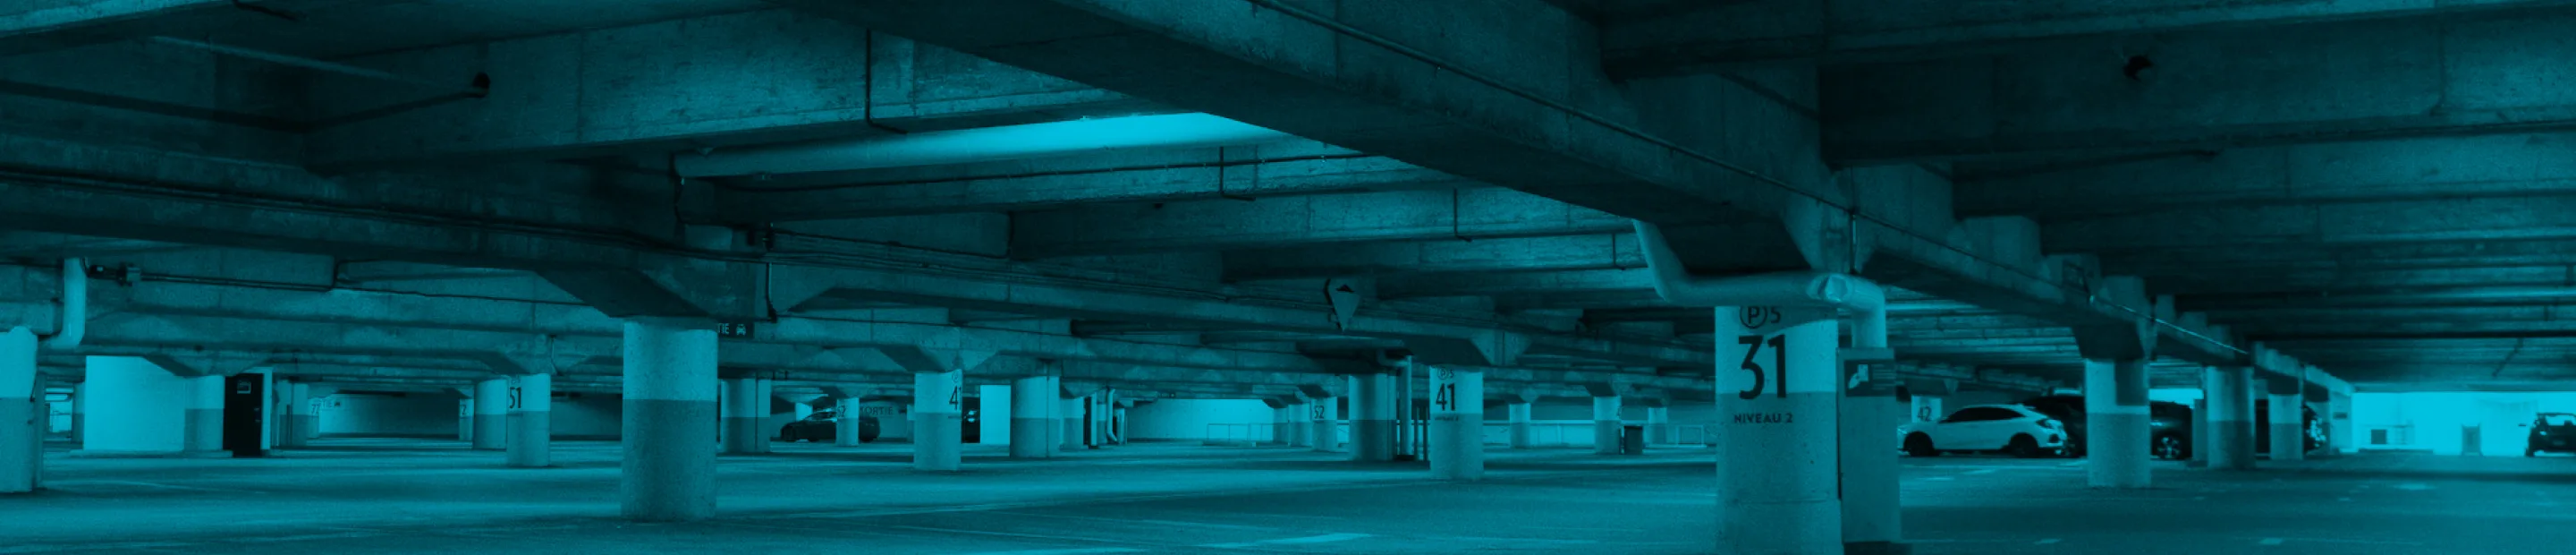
column 731, row 329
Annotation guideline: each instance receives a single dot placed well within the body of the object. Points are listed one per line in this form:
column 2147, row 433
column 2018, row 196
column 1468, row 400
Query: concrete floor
column 418, row 496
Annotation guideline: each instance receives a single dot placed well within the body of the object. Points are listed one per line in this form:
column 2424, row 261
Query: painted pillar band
column 1300, row 422
column 1373, row 418
column 845, row 423
column 668, row 471
column 531, row 441
column 1605, row 425
column 291, row 431
column 2339, row 431
column 205, row 417
column 1778, row 389
column 1033, row 408
column 2229, row 392
column 2200, row 429
column 2289, row 427
column 1325, row 429
column 492, row 415
column 741, row 425
column 1659, row 425
column 2116, row 426
column 1519, row 415
column 1070, row 419
column 1871, row 513
column 21, row 449
column 937, row 419
column 1457, row 429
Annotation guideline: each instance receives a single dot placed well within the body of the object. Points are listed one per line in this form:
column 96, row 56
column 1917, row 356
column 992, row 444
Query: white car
column 2007, row 428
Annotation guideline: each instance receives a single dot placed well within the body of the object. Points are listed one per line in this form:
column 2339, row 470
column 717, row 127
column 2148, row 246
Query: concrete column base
column 935, row 441
column 741, row 435
column 1373, row 440
column 531, row 439
column 668, row 474
column 1029, row 438
column 491, row 431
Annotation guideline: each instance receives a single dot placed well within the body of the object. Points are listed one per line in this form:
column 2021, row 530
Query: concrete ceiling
column 2378, row 193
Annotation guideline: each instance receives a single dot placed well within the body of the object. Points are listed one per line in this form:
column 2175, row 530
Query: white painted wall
column 589, row 416
column 134, row 407
column 2436, row 421
column 997, row 414
column 1188, row 419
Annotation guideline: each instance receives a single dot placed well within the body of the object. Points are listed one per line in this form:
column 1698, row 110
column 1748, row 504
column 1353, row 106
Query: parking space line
column 2269, row 541
column 1078, row 551
column 1326, row 538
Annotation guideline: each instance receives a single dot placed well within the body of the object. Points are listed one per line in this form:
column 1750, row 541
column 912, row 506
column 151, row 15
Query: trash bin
column 1632, row 440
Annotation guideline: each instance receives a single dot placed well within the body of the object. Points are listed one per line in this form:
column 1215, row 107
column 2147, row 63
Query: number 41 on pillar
column 1777, row 353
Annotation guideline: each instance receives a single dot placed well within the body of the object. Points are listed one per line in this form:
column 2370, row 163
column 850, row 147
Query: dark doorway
column 245, row 414
column 971, row 429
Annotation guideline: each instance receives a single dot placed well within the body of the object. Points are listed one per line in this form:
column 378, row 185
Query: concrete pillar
column 1605, row 425
column 1659, row 425
column 1325, row 427
column 205, row 418
column 741, row 426
column 667, row 473
column 492, row 415
column 1872, row 520
column 1928, row 409
column 1033, row 407
column 937, row 419
column 80, row 408
column 531, row 421
column 2289, row 425
column 1301, row 420
column 1373, row 418
column 311, row 419
column 1069, row 432
column 1456, row 434
column 22, row 450
column 2339, row 429
column 1281, row 426
column 2229, row 394
column 845, row 429
column 291, row 432
column 464, row 418
column 1519, row 423
column 1778, row 391
column 761, row 408
column 2199, row 431
column 2116, row 424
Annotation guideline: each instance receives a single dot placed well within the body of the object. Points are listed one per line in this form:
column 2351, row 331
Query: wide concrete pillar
column 667, row 473
column 1280, row 426
column 2199, row 432
column 1373, row 418
column 1325, row 428
column 531, row 421
column 22, row 450
column 845, row 426
column 291, row 430
column 1605, row 425
column 761, row 407
column 1517, row 417
column 1457, row 428
column 1778, row 391
column 464, row 417
column 2229, row 393
column 492, row 416
column 740, row 407
column 2116, row 424
column 2339, row 429
column 1071, row 423
column 1872, row 519
column 937, row 419
column 204, row 420
column 1659, row 425
column 1301, row 420
column 2289, row 425
column 1033, row 408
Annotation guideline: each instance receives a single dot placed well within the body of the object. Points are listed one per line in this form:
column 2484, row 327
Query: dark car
column 2169, row 432
column 2551, row 432
column 823, row 425
column 2263, row 428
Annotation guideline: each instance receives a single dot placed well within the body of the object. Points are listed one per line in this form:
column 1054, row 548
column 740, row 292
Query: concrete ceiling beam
column 1456, row 215
column 1233, row 174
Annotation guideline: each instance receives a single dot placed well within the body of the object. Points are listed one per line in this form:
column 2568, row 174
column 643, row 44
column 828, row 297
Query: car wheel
column 1921, row 446
column 2528, row 452
column 2023, row 446
column 2169, row 448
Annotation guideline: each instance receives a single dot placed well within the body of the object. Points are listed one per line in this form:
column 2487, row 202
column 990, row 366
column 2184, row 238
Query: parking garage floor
column 420, row 496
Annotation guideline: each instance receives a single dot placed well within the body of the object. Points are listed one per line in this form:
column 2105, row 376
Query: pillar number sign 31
column 1762, row 379
column 1756, row 319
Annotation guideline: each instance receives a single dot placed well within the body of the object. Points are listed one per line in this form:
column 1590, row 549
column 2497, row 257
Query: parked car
column 2551, row 432
column 2010, row 429
column 823, row 425
column 2168, row 433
